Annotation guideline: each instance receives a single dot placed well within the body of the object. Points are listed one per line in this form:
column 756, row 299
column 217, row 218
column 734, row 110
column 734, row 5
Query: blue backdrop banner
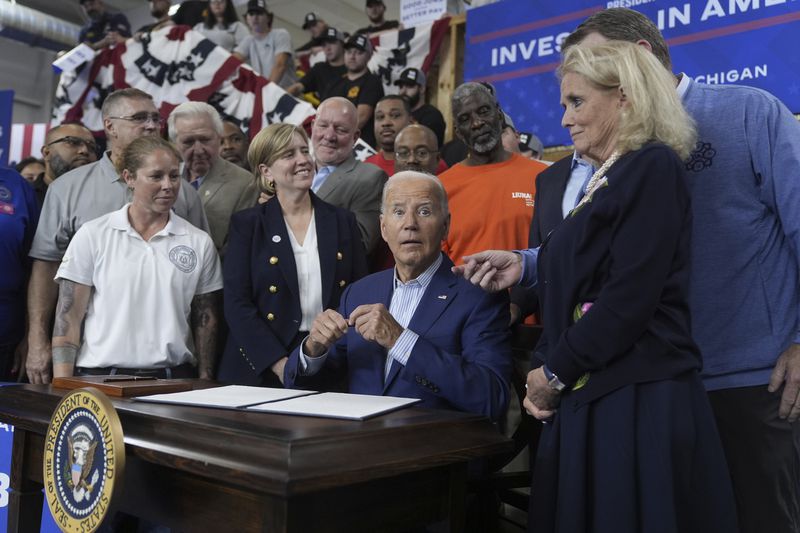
column 515, row 45
column 6, row 440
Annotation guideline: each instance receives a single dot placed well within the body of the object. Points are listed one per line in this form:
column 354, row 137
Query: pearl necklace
column 598, row 179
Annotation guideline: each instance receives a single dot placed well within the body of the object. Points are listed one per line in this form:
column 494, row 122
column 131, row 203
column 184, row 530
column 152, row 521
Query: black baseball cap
column 257, row 5
column 373, row 2
column 529, row 141
column 332, row 34
column 310, row 20
column 359, row 41
column 411, row 76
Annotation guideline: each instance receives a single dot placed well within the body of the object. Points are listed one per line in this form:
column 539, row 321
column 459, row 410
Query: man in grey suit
column 341, row 180
column 196, row 129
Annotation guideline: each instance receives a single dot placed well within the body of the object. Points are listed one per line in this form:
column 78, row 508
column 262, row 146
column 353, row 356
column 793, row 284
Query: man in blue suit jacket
column 416, row 330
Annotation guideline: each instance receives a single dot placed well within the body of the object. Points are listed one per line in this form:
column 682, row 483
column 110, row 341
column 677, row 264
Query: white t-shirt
column 309, row 275
column 260, row 54
column 138, row 314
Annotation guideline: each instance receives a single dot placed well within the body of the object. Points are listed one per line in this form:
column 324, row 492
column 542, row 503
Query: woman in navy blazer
column 630, row 443
column 287, row 260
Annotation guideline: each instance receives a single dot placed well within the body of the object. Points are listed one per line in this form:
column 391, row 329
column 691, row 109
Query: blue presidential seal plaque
column 84, row 458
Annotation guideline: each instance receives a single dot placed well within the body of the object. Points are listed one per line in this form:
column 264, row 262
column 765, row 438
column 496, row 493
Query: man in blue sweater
column 744, row 179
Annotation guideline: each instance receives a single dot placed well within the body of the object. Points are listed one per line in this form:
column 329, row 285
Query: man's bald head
column 67, row 147
column 334, row 131
column 417, row 149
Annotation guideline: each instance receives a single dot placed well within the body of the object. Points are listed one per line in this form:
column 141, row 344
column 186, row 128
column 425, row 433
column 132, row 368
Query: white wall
column 27, row 71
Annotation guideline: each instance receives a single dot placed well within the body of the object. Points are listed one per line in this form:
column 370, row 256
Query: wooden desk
column 197, row 469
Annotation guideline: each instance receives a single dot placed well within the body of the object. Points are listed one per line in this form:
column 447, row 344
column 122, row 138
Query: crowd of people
column 667, row 376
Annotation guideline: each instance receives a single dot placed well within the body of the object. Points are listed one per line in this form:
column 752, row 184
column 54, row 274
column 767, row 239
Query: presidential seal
column 84, row 458
column 184, row 258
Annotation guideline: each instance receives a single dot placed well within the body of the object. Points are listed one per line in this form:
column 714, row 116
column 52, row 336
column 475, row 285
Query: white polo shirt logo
column 184, row 258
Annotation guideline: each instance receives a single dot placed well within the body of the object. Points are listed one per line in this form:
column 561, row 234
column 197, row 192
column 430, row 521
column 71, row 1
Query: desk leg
column 25, row 497
column 276, row 515
column 457, row 497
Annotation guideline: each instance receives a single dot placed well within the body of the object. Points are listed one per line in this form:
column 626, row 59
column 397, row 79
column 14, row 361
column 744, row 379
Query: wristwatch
column 552, row 380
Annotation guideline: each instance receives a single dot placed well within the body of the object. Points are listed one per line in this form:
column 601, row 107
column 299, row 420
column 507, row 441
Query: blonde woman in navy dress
column 630, row 443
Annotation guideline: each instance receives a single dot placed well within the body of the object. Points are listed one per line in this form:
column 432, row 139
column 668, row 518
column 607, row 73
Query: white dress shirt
column 309, row 276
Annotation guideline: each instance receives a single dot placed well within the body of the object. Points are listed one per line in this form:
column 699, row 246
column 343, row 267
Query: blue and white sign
column 516, row 45
column 6, row 109
column 416, row 12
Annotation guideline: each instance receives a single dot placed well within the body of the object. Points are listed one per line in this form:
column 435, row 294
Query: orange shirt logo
column 528, row 197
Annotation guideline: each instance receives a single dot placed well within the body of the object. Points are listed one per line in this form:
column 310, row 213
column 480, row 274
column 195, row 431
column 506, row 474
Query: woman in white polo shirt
column 140, row 275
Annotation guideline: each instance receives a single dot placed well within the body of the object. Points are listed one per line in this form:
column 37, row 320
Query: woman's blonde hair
column 267, row 147
column 654, row 111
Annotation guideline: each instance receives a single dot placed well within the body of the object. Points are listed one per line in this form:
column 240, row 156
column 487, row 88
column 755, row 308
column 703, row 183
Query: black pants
column 7, row 361
column 763, row 454
column 181, row 371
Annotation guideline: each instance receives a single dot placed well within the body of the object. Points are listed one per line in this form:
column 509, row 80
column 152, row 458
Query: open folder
column 286, row 401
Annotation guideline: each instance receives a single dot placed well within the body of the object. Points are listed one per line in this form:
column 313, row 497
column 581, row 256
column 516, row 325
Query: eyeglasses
column 75, row 142
column 420, row 153
column 142, row 118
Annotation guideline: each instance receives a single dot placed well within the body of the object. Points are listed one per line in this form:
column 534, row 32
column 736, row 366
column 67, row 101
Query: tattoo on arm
column 73, row 301
column 66, row 298
column 205, row 321
column 66, row 354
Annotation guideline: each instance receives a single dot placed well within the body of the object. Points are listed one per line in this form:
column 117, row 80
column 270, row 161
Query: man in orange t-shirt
column 490, row 192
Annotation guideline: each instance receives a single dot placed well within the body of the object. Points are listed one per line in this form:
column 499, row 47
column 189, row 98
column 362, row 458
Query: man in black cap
column 324, row 74
column 510, row 135
column 375, row 10
column 412, row 86
column 317, row 28
column 359, row 85
column 103, row 28
column 530, row 146
column 269, row 51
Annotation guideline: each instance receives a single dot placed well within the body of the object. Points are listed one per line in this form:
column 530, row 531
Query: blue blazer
column 461, row 361
column 262, row 302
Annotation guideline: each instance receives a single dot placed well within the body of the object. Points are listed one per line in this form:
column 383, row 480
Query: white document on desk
column 336, row 405
column 228, row 397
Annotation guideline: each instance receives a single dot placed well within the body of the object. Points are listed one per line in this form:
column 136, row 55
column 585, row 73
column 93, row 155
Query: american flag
column 176, row 65
column 415, row 47
column 26, row 140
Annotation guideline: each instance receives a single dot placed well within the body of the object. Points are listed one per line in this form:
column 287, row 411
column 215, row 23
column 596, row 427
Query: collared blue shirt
column 320, row 177
column 403, row 305
column 683, row 85
column 405, row 299
column 580, row 174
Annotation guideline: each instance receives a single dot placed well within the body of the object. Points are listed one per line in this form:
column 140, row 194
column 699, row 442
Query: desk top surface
column 279, row 454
